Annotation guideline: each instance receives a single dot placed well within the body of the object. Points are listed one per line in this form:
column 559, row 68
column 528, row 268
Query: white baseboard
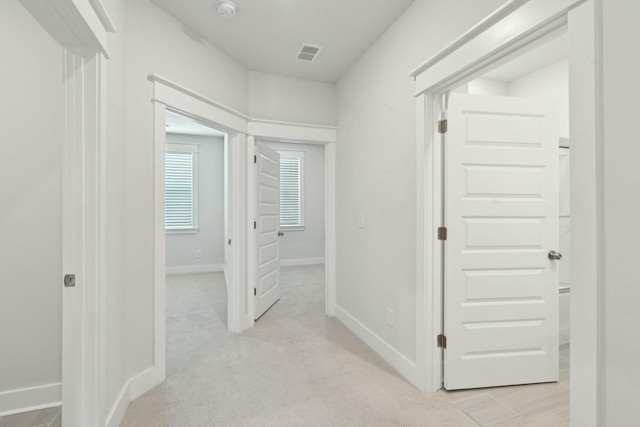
column 191, row 269
column 30, row 399
column 145, row 381
column 393, row 357
column 134, row 388
column 300, row 262
column 119, row 408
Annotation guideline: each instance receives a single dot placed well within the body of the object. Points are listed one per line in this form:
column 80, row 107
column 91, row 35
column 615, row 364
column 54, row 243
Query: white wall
column 158, row 43
column 116, row 326
column 488, row 87
column 32, row 128
column 307, row 245
column 376, row 170
column 550, row 82
column 181, row 248
column 289, row 99
column 621, row 209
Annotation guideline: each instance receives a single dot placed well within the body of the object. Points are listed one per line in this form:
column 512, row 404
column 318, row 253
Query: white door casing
column 267, row 291
column 501, row 213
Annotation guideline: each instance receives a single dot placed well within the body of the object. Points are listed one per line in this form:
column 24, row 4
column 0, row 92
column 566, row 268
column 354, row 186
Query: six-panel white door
column 267, row 226
column 501, row 213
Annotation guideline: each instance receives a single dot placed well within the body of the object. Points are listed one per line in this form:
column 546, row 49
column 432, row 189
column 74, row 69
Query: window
column 181, row 188
column 291, row 189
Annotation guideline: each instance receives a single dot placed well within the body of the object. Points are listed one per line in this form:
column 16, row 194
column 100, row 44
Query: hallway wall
column 115, row 291
column 621, row 208
column 32, row 127
column 290, row 99
column 376, row 172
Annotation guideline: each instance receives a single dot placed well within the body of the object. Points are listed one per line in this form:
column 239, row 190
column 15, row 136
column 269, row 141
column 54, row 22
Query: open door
column 267, row 290
column 501, row 218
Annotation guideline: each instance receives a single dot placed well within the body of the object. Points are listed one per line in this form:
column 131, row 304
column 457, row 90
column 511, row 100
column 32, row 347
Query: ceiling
column 176, row 123
column 552, row 50
column 266, row 35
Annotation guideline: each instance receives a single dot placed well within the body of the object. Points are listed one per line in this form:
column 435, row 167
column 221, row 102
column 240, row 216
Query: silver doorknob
column 280, row 233
column 555, row 256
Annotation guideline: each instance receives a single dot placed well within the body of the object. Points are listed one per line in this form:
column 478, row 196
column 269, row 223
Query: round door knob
column 555, row 256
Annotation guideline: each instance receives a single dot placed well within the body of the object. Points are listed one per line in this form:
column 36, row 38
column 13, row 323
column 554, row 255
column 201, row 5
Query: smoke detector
column 227, row 8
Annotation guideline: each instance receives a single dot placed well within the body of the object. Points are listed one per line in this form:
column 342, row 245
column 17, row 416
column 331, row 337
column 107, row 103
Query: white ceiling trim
column 181, row 99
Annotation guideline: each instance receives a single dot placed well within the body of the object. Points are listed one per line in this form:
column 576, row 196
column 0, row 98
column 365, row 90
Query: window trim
column 299, row 155
column 183, row 147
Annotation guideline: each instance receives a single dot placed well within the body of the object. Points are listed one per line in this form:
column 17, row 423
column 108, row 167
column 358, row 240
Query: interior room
column 195, row 250
column 301, row 242
column 437, row 261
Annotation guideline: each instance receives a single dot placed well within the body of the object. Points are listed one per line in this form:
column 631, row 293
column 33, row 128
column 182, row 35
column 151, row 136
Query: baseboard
column 300, row 262
column 134, row 388
column 30, row 399
column 119, row 408
column 393, row 357
column 145, row 381
column 191, row 269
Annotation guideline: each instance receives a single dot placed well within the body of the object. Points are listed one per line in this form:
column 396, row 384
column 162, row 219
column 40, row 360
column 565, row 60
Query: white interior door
column 267, row 290
column 501, row 214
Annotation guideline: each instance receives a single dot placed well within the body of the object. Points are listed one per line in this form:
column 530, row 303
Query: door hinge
column 69, row 280
column 229, row 241
column 442, row 126
column 255, row 159
column 442, row 341
column 255, row 225
column 442, row 233
column 255, row 292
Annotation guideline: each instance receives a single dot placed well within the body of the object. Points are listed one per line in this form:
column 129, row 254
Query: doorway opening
column 196, row 226
column 290, row 237
column 514, row 260
column 484, row 47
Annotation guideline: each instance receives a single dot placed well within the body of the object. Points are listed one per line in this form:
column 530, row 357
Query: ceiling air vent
column 308, row 53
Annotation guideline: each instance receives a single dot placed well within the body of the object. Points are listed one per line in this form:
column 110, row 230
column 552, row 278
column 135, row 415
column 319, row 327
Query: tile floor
column 537, row 405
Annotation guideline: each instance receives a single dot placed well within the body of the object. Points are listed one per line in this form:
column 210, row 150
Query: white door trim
column 499, row 37
column 77, row 27
column 168, row 95
column 241, row 207
column 266, row 130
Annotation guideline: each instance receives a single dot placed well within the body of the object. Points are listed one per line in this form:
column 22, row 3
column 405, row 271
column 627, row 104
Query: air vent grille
column 308, row 53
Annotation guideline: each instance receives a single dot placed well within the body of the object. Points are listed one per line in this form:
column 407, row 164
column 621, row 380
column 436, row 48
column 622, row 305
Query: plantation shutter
column 179, row 186
column 291, row 186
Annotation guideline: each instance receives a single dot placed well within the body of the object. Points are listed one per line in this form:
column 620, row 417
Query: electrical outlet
column 198, row 253
column 390, row 317
column 361, row 220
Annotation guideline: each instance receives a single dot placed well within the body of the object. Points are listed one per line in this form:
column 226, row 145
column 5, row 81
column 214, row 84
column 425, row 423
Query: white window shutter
column 291, row 188
column 180, row 187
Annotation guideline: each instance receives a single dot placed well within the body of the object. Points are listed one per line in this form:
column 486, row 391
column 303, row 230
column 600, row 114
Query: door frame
column 298, row 133
column 81, row 28
column 241, row 133
column 168, row 95
column 501, row 36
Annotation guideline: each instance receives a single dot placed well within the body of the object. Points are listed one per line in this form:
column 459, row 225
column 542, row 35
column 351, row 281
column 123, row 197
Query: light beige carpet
column 294, row 368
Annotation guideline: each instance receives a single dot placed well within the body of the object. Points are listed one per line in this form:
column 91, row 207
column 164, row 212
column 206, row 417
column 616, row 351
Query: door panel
column 501, row 214
column 267, row 227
